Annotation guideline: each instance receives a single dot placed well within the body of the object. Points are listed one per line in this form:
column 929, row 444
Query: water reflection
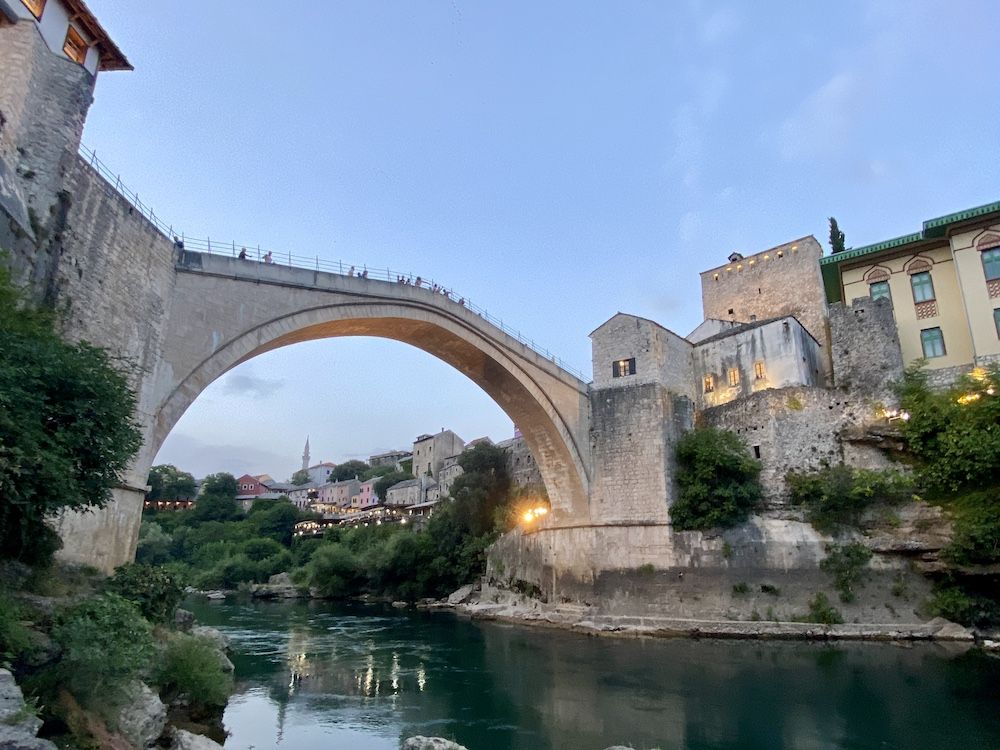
column 318, row 676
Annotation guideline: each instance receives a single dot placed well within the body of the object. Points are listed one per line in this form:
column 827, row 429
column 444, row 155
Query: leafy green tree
column 221, row 484
column 718, row 481
column 482, row 488
column 836, row 237
column 154, row 544
column 953, row 434
column 277, row 522
column 167, row 482
column 66, row 428
column 301, row 477
column 381, row 487
column 377, row 471
column 348, row 470
column 334, row 571
column 212, row 507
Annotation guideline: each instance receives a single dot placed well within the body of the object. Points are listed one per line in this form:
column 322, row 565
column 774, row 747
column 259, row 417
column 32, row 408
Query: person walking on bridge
column 267, row 258
column 243, row 254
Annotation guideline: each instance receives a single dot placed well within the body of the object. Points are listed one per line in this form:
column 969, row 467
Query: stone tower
column 50, row 55
column 305, row 455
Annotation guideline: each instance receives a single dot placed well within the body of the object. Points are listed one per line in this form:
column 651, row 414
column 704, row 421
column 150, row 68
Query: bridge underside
column 221, row 316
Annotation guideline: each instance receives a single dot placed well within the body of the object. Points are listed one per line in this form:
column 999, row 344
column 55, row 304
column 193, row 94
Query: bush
column 821, row 611
column 14, row 637
column 229, row 573
column 154, row 544
column 153, row 590
column 847, row 564
column 334, row 571
column 838, row 495
column 718, row 481
column 106, row 644
column 953, row 434
column 191, row 668
column 951, row 603
column 261, row 549
column 976, row 539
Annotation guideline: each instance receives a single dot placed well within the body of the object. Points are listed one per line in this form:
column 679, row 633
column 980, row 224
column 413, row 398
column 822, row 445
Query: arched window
column 989, row 252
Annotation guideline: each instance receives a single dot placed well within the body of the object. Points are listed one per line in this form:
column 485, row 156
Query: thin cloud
column 202, row 457
column 239, row 384
column 721, row 26
column 823, row 123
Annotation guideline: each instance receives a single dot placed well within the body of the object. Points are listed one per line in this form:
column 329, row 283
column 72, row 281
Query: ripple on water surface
column 317, row 675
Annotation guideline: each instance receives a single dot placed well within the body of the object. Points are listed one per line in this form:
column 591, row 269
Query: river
column 318, row 675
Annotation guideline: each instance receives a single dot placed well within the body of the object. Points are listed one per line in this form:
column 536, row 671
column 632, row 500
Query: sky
column 554, row 162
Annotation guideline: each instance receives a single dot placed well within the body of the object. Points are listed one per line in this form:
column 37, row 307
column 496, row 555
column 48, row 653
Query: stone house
column 334, row 497
column 412, row 491
column 429, row 452
column 760, row 365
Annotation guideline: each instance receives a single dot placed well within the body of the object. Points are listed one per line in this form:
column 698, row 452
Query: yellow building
column 944, row 283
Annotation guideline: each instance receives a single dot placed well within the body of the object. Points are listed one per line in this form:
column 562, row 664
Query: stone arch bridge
column 217, row 312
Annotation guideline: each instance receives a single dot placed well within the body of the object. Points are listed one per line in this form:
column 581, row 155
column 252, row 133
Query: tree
column 67, row 432
column 348, row 470
column 717, row 480
column 301, row 477
column 167, row 482
column 482, row 487
column 377, row 471
column 276, row 522
column 220, row 484
column 836, row 237
column 212, row 507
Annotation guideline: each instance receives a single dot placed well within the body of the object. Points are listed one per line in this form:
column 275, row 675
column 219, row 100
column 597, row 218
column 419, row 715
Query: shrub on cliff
column 838, row 495
column 847, row 563
column 191, row 669
column 106, row 644
column 717, row 479
column 976, row 518
column 153, row 590
column 66, row 428
column 953, row 434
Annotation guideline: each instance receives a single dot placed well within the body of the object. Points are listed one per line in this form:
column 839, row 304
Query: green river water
column 321, row 676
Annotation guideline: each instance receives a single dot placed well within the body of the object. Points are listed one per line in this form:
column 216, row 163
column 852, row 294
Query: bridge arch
column 225, row 312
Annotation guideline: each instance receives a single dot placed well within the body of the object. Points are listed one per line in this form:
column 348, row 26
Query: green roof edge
column 932, row 228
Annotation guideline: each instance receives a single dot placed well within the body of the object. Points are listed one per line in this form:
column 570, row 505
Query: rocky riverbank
column 501, row 605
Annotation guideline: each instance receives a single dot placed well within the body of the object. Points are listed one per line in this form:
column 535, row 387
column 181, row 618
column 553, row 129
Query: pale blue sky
column 556, row 162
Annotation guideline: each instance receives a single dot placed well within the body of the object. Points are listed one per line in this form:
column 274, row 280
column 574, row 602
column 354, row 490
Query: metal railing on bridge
column 254, row 253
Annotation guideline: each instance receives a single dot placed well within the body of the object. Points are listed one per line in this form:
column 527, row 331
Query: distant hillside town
column 396, row 485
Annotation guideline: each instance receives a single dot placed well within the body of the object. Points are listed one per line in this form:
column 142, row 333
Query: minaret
column 305, row 455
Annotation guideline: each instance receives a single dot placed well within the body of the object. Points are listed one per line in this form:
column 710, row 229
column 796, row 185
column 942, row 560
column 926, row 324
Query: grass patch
column 821, row 611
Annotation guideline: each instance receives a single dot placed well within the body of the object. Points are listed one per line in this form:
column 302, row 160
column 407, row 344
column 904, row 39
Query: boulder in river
column 187, row 741
column 461, row 595
column 18, row 723
column 430, row 743
column 220, row 641
column 143, row 717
